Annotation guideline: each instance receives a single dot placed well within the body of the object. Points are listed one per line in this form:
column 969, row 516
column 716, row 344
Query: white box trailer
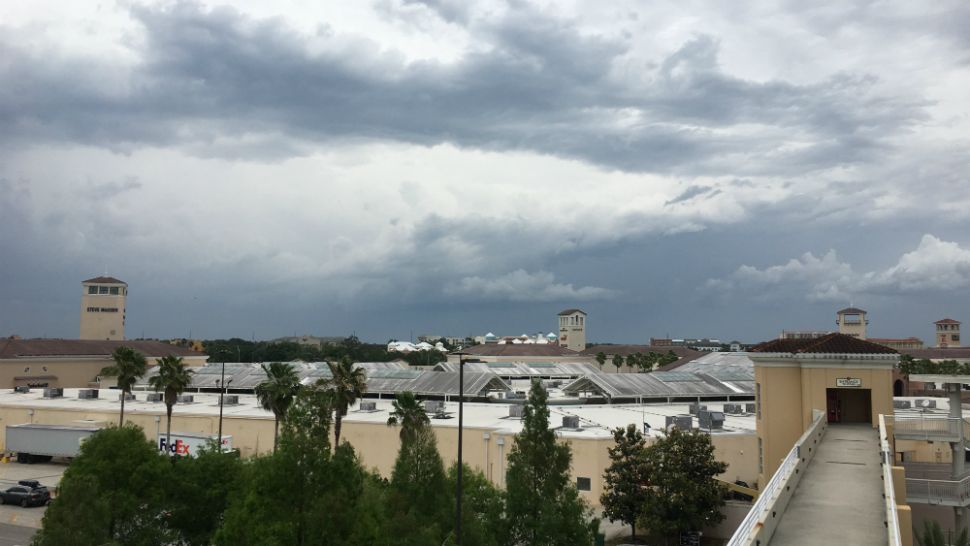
column 188, row 444
column 39, row 443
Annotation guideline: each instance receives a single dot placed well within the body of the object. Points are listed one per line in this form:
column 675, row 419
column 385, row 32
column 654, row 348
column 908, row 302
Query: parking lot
column 17, row 525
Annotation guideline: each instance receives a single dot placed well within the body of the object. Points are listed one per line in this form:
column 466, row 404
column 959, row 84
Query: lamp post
column 461, row 402
column 222, row 390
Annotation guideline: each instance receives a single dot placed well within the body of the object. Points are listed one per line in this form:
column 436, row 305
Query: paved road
column 12, row 535
column 839, row 499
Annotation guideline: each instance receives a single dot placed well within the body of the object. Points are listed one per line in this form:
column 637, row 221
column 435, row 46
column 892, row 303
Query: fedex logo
column 178, row 447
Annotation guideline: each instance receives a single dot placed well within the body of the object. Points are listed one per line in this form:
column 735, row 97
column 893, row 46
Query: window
column 955, row 337
column 583, row 484
column 114, row 290
column 92, row 290
column 761, row 456
column 102, row 290
column 757, row 399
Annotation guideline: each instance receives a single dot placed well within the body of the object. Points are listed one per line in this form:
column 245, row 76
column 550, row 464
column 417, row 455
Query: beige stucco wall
column 71, row 372
column 100, row 325
column 791, row 389
column 378, row 444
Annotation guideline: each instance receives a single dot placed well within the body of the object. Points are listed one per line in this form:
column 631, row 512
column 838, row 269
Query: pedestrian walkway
column 839, row 498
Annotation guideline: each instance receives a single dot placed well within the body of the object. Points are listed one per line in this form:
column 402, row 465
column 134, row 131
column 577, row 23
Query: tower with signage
column 103, row 302
column 572, row 329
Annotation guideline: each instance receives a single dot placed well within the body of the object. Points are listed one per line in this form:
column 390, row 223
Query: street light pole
column 461, row 403
column 222, row 384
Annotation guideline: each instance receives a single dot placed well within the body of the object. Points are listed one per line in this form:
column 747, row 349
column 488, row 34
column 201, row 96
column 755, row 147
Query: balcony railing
column 928, row 427
column 942, row 492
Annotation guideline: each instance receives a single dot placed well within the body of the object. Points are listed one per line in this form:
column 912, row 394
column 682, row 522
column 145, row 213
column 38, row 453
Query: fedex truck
column 188, row 444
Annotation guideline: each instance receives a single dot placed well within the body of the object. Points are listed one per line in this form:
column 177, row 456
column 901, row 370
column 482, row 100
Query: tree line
column 643, row 362
column 242, row 350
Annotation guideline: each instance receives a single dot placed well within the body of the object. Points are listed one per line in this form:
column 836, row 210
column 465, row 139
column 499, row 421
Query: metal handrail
column 889, row 490
column 927, row 425
column 746, row 530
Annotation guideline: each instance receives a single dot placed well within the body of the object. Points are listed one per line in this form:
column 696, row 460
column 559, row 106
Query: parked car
column 26, row 493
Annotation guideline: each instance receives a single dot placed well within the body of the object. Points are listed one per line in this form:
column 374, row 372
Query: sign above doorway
column 848, row 382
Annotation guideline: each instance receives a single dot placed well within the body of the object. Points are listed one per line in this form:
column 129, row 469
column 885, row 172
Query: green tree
column 276, row 393
column 200, row 490
column 418, row 503
column 129, row 365
column 933, row 535
column 483, row 507
column 305, row 493
column 618, row 362
column 601, row 359
column 408, row 413
column 543, row 507
column 348, row 384
column 625, row 493
column 682, row 495
column 114, row 492
column 172, row 378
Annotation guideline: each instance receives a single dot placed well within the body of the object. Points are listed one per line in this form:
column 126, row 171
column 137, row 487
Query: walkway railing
column 927, row 426
column 889, row 490
column 773, row 492
column 944, row 492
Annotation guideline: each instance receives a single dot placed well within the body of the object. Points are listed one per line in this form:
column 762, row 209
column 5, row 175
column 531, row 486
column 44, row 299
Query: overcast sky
column 403, row 167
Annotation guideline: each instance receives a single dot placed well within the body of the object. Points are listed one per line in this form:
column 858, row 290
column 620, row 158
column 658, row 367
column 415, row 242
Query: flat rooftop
column 596, row 420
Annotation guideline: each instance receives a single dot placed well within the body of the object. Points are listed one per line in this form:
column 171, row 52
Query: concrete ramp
column 839, row 498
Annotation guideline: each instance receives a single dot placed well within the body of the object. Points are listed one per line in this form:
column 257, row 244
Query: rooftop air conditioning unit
column 711, row 420
column 924, row 403
column 22, row 388
column 434, row 406
column 368, row 406
column 750, row 408
column 87, row 394
column 733, row 409
column 55, row 392
column 682, row 422
column 127, row 396
column 233, row 399
column 695, row 408
column 516, row 410
column 570, row 421
column 902, row 404
column 154, row 397
column 514, row 395
column 185, row 399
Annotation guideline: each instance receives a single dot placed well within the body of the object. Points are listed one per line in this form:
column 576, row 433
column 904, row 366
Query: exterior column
column 958, row 452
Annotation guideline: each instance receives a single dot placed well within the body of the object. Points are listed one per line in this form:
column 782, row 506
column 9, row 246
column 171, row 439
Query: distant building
column 572, row 329
column 103, row 308
column 700, row 344
column 900, row 344
column 947, row 333
column 311, row 341
column 802, row 334
column 852, row 321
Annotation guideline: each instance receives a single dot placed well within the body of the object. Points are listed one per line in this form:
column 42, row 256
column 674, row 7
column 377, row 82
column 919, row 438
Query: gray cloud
column 206, row 77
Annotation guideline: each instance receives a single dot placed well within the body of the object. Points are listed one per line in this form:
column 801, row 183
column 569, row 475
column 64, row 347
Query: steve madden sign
column 848, row 382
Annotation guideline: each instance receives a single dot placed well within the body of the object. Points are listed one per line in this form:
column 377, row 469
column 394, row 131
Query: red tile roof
column 518, row 349
column 105, row 280
column 66, row 348
column 947, row 321
column 895, row 340
column 570, row 312
column 850, row 311
column 832, row 344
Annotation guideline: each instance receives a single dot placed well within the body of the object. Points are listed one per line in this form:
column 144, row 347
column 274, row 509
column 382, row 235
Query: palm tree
column 276, row 393
column 933, row 535
column 172, row 378
column 618, row 362
column 409, row 414
column 348, row 385
column 601, row 359
column 128, row 367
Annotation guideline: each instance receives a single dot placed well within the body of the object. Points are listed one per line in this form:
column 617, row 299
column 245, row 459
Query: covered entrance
column 849, row 405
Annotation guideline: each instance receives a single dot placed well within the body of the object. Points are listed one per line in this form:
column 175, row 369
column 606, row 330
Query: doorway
column 849, row 405
column 898, row 387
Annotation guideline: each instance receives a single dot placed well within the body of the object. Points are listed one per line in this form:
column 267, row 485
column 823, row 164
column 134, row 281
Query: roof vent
column 185, row 399
column 21, row 389
column 681, row 422
column 55, row 392
column 733, row 409
column 902, row 404
column 153, row 397
column 516, row 411
column 434, row 406
column 230, row 400
column 570, row 421
column 711, row 420
column 750, row 408
column 87, row 394
column 126, row 396
column 924, row 403
column 693, row 409
column 368, row 406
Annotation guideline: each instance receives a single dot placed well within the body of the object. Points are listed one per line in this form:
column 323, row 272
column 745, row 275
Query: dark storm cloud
column 211, row 75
